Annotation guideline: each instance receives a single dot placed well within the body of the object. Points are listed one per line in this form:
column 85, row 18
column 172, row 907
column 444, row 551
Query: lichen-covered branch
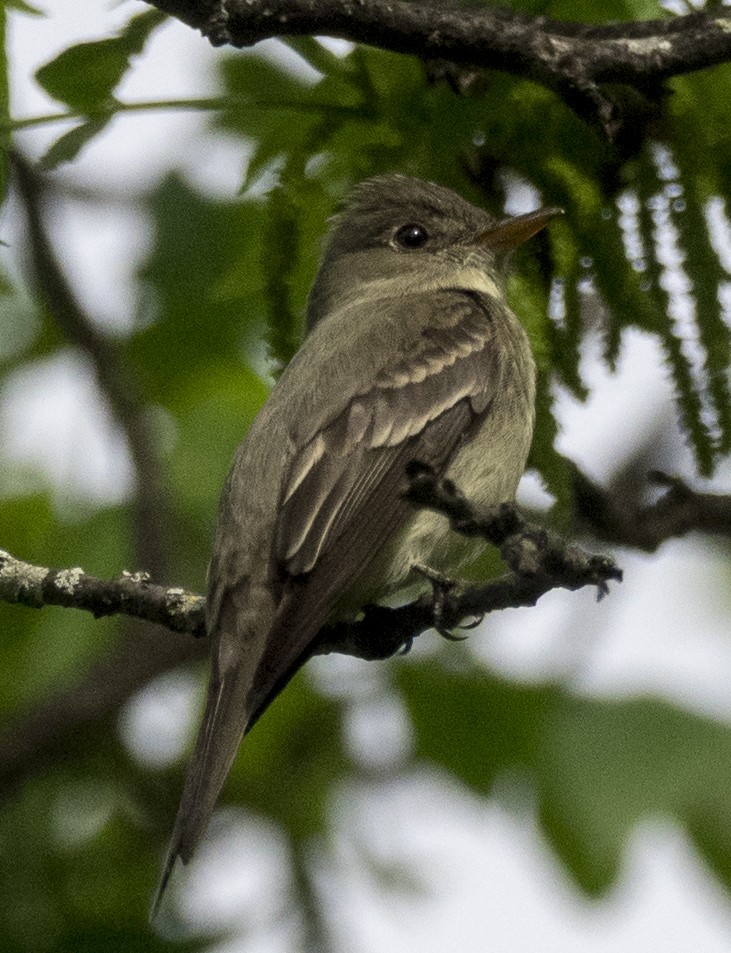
column 538, row 559
column 131, row 594
column 541, row 559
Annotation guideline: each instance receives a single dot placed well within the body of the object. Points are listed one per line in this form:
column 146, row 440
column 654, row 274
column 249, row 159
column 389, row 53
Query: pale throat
column 440, row 276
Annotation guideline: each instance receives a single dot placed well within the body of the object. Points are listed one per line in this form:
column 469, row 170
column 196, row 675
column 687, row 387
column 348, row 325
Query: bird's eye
column 412, row 235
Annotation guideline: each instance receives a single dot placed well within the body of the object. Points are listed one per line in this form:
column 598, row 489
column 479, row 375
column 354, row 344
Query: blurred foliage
column 82, row 837
column 595, row 767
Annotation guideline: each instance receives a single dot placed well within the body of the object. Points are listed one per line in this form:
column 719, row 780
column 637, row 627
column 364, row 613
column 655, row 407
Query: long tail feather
column 224, row 724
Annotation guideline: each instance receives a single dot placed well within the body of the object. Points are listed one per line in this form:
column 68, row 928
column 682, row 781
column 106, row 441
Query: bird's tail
column 252, row 662
column 224, row 723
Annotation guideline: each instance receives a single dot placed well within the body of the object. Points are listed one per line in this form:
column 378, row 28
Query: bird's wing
column 338, row 470
column 342, row 497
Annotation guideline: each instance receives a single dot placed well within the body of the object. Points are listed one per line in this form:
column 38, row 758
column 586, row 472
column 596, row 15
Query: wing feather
column 332, row 474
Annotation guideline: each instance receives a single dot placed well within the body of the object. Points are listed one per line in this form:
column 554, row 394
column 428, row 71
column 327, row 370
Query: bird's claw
column 441, row 585
column 449, row 636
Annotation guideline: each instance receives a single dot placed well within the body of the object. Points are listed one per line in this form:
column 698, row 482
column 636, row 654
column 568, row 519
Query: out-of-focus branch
column 115, row 383
column 573, row 59
column 677, row 511
column 49, row 732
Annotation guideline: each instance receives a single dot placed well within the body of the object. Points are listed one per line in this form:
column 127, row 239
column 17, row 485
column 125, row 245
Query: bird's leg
column 441, row 586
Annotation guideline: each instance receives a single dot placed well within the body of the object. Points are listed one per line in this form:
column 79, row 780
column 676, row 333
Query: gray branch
column 132, row 594
column 538, row 559
column 677, row 511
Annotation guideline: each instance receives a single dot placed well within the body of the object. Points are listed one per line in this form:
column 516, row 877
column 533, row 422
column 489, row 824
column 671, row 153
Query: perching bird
column 411, row 354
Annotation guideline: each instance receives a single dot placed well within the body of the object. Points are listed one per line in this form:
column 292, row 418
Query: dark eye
column 412, row 235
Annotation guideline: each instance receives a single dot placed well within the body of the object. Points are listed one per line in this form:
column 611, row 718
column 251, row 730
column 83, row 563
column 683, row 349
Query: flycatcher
column 411, row 353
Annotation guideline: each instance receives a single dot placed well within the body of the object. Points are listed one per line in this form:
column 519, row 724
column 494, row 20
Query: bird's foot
column 441, row 586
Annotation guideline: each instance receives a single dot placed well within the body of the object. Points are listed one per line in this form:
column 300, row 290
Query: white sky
column 492, row 883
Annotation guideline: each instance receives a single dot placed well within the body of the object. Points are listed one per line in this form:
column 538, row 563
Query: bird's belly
column 487, row 473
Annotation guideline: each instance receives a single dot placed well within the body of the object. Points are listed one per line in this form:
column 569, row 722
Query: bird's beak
column 511, row 232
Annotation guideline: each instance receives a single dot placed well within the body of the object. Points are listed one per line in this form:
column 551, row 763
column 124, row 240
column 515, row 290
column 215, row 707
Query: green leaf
column 688, row 388
column 20, row 324
column 211, row 418
column 292, row 760
column 296, row 212
column 599, row 11
column 606, row 766
column 546, row 459
column 205, row 290
column 566, row 339
column 70, row 144
column 85, row 76
column 88, row 894
column 472, row 724
column 285, row 115
column 313, row 52
column 702, row 266
column 284, row 325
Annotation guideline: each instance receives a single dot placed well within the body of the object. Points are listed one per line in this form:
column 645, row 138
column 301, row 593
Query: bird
column 411, row 354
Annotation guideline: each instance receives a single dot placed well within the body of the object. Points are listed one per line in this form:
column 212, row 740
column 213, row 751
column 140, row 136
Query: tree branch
column 572, row 59
column 538, row 559
column 132, row 594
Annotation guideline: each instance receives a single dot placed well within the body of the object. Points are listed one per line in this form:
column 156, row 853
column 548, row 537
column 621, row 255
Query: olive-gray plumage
column 411, row 353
